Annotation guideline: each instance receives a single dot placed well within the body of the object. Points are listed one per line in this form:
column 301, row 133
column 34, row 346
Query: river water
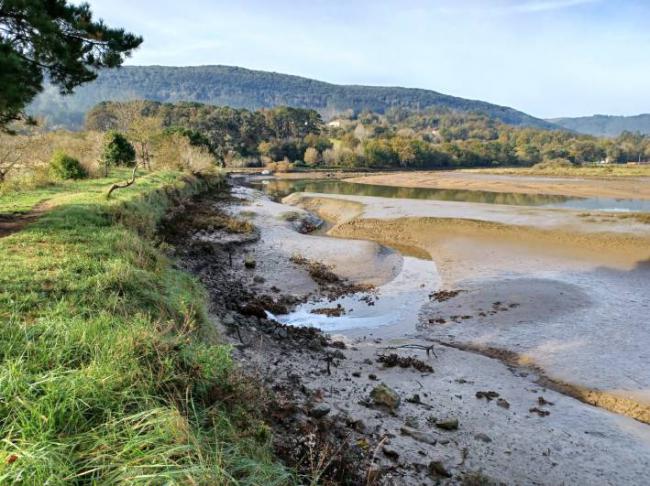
column 278, row 188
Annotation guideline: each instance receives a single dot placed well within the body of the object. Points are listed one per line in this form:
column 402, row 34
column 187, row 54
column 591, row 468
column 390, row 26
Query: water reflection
column 279, row 188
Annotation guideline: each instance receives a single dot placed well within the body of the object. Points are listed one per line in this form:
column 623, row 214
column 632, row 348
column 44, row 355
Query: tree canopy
column 52, row 39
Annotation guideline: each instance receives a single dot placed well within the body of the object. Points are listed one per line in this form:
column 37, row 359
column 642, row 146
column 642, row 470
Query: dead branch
column 428, row 349
column 123, row 184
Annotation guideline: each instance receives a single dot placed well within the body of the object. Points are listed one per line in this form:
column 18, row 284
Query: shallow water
column 397, row 302
column 278, row 188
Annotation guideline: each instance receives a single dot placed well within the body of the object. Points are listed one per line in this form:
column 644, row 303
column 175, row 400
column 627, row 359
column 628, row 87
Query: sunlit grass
column 609, row 170
column 109, row 368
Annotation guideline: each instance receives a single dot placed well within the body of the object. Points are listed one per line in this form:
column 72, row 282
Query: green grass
column 110, row 373
column 610, row 170
column 23, row 201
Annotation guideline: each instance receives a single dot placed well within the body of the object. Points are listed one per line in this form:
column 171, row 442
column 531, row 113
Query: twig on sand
column 369, row 477
column 329, row 359
column 428, row 349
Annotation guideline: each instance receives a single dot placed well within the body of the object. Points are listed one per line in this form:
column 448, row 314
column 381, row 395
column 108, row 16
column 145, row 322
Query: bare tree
column 140, row 128
column 14, row 149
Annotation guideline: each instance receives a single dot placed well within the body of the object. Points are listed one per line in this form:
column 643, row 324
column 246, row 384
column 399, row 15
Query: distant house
column 334, row 124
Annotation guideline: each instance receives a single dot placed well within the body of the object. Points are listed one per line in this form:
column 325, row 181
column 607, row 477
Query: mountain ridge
column 605, row 125
column 253, row 89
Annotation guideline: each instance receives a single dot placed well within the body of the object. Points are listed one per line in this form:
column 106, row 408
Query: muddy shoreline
column 326, row 422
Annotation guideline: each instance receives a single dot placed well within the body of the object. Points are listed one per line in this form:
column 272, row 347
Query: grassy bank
column 610, row 170
column 110, row 373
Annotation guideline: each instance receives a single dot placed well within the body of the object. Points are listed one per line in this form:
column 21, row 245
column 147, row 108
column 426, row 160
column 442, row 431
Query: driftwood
column 123, row 184
column 428, row 349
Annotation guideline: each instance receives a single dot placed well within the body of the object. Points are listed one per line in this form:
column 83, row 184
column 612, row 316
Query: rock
column 419, row 436
column 356, row 374
column 447, row 424
column 372, row 376
column 259, row 279
column 483, row 437
column 228, row 319
column 385, row 396
column 415, row 398
column 412, row 422
column 543, row 401
column 488, row 395
column 503, row 403
column 320, row 410
column 338, row 344
column 540, row 412
column 249, row 262
column 253, row 309
column 437, row 468
column 390, row 453
column 356, row 424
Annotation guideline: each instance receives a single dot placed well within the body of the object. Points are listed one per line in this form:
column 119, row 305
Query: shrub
column 65, row 167
column 118, row 150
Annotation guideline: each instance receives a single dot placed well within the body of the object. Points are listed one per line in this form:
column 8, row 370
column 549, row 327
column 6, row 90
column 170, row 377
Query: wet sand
column 528, row 435
column 617, row 187
column 580, row 297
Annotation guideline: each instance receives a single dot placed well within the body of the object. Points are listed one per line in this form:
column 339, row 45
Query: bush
column 118, row 150
column 65, row 167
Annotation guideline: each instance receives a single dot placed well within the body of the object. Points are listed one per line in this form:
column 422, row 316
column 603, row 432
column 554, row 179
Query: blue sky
column 546, row 57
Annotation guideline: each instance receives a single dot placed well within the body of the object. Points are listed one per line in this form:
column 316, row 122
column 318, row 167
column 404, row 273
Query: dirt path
column 13, row 223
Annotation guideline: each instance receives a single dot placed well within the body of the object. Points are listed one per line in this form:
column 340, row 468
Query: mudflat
column 610, row 187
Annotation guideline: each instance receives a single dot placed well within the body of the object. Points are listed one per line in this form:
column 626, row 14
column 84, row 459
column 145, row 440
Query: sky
column 549, row 58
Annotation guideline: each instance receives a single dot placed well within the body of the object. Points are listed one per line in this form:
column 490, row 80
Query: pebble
column 447, row 424
column 437, row 468
column 320, row 410
column 483, row 437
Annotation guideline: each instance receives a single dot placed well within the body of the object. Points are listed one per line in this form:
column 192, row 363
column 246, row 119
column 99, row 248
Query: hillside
column 244, row 88
column 606, row 125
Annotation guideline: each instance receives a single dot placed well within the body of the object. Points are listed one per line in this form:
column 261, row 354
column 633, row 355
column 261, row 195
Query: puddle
column 397, row 303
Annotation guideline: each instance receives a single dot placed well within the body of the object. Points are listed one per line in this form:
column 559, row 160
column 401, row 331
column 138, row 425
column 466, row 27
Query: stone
column 320, row 410
column 390, row 453
column 385, row 396
column 412, row 421
column 437, row 468
column 483, row 437
column 419, row 436
column 503, row 403
column 356, row 424
column 447, row 424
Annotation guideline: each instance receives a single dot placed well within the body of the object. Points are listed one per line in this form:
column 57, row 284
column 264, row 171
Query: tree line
column 399, row 138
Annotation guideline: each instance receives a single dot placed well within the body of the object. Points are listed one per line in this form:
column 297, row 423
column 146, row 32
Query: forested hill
column 244, row 88
column 605, row 125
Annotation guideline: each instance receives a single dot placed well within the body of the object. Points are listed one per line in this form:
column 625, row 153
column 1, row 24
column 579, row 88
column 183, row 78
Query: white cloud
column 546, row 5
